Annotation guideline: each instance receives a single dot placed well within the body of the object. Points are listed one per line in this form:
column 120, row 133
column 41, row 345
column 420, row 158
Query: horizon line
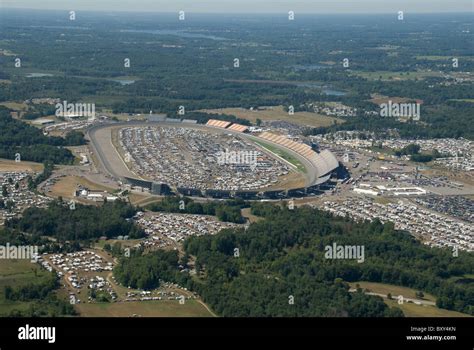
column 237, row 13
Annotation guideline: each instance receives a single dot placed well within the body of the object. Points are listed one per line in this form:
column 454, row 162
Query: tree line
column 285, row 252
column 41, row 297
column 82, row 224
column 29, row 142
column 277, row 267
column 227, row 211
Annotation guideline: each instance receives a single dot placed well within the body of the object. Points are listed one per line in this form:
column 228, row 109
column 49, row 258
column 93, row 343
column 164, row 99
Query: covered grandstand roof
column 238, row 127
column 286, row 142
column 330, row 159
column 325, row 161
column 218, row 123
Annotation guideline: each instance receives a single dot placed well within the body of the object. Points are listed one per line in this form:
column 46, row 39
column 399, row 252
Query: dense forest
column 281, row 258
column 286, row 251
column 227, row 211
column 83, row 223
column 274, row 267
column 194, row 66
column 45, row 244
column 42, row 298
column 438, row 122
column 38, row 111
column 253, row 294
column 31, row 144
column 146, row 271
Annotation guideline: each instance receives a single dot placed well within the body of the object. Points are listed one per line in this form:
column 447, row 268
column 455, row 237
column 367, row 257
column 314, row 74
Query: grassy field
column 443, row 58
column 16, row 273
column 413, row 310
column 252, row 218
column 286, row 156
column 379, row 99
column 66, row 186
column 470, row 100
column 11, row 165
column 383, row 288
column 142, row 200
column 409, row 309
column 16, row 106
column 278, row 113
column 463, row 277
column 386, row 76
column 128, row 243
column 161, row 308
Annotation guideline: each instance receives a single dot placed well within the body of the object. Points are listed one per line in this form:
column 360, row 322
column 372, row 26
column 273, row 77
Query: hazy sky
column 250, row 6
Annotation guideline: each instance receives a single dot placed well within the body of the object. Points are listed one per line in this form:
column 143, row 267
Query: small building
column 43, row 121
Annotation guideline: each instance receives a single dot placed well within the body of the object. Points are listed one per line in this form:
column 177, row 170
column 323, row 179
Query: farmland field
column 383, row 288
column 162, row 308
column 385, row 75
column 16, row 273
column 413, row 310
column 440, row 58
column 11, row 165
column 278, row 113
column 66, row 186
column 408, row 308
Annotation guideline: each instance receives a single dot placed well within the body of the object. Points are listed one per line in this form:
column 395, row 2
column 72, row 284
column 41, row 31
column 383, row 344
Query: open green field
column 11, row 165
column 159, row 308
column 387, row 76
column 278, row 113
column 286, row 156
column 16, row 273
column 413, row 310
column 246, row 213
column 128, row 243
column 65, row 186
column 16, row 106
column 408, row 308
column 470, row 100
column 383, row 288
column 468, row 278
column 442, row 58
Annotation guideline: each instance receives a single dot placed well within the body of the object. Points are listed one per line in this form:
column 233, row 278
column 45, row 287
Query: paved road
column 110, row 161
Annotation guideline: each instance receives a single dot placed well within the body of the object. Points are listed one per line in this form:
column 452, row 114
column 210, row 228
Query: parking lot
column 18, row 197
column 168, row 230
column 184, row 157
column 431, row 228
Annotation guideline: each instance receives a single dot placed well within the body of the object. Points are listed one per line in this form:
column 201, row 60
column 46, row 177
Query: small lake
column 39, row 75
column 332, row 92
column 123, row 81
